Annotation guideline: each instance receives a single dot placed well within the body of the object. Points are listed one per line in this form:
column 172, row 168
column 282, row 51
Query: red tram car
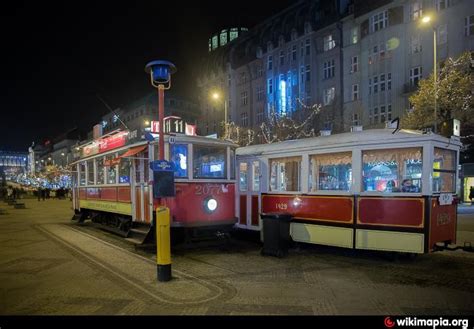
column 113, row 184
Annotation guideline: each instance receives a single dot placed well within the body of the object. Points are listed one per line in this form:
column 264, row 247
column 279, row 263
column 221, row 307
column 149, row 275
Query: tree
column 276, row 128
column 455, row 96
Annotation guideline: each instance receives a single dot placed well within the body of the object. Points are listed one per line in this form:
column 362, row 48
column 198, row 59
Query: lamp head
column 160, row 71
column 426, row 19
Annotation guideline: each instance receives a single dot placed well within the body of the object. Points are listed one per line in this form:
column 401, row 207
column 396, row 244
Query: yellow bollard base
column 164, row 272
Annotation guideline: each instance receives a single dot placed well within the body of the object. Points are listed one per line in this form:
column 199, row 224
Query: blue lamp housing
column 160, row 70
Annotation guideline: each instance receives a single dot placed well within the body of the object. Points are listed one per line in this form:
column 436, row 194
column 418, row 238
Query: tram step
column 139, row 234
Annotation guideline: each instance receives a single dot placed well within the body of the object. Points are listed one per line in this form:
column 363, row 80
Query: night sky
column 58, row 56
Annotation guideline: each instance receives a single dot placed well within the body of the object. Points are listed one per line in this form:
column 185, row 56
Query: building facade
column 360, row 60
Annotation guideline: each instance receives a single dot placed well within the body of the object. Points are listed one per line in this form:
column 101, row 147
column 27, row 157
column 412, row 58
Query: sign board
column 163, row 178
column 172, row 140
column 445, row 199
column 161, row 165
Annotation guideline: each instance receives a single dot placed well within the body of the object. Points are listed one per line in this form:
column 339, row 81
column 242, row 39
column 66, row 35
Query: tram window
column 330, row 172
column 82, row 174
column 138, row 170
column 386, row 170
column 285, row 174
column 100, row 171
column 444, row 170
column 124, row 171
column 179, row 157
column 209, row 162
column 243, row 176
column 90, row 172
column 255, row 176
column 111, row 171
column 232, row 163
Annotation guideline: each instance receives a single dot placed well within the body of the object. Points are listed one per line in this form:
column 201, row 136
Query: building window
column 234, row 33
column 329, row 42
column 259, row 93
column 223, row 37
column 329, row 69
column 469, row 25
column 376, row 115
column 308, row 73
column 382, row 82
column 379, row 21
column 260, row 115
column 282, row 57
column 415, row 75
column 442, row 4
column 328, row 95
column 302, row 74
column 301, row 50
column 243, row 78
column 371, row 119
column 442, row 34
column 354, row 35
column 376, row 84
column 383, row 118
column 270, row 86
column 244, row 119
column 355, row 119
column 389, row 112
column 244, row 98
column 354, row 64
column 308, row 47
column 416, row 10
column 389, row 81
column 370, row 86
column 259, row 72
column 415, row 44
column 355, row 92
column 229, row 80
column 270, row 62
column 293, row 53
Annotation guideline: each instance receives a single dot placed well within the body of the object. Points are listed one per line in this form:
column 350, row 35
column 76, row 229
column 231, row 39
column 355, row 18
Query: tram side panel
column 442, row 223
column 194, row 202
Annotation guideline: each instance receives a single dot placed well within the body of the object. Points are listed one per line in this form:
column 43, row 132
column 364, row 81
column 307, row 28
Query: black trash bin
column 276, row 233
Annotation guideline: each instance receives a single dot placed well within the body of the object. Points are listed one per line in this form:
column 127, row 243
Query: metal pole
column 435, row 77
column 161, row 114
column 225, row 118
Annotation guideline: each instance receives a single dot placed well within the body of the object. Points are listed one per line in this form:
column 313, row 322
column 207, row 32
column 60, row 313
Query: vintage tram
column 113, row 184
column 378, row 189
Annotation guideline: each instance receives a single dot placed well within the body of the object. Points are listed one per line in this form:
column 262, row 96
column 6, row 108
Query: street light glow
column 426, row 19
column 215, row 95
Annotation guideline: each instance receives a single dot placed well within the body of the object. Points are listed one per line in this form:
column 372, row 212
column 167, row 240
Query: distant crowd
column 13, row 193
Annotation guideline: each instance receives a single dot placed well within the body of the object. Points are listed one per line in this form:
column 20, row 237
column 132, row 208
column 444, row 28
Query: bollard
column 163, row 245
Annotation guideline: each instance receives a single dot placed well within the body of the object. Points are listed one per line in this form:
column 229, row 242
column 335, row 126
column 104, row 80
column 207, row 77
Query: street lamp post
column 427, row 20
column 160, row 78
column 216, row 96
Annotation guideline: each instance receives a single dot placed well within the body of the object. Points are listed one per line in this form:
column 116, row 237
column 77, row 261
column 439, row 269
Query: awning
column 130, row 153
column 133, row 151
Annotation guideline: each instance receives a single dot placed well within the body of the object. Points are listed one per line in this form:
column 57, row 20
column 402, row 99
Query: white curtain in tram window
column 399, row 156
column 332, row 159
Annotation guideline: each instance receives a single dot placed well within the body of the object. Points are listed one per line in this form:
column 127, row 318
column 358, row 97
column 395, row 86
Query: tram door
column 249, row 193
column 141, row 189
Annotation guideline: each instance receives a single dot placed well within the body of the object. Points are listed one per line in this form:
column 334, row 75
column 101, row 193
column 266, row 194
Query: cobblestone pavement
column 49, row 265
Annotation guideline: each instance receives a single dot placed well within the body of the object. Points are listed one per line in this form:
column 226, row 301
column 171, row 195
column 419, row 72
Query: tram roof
column 370, row 137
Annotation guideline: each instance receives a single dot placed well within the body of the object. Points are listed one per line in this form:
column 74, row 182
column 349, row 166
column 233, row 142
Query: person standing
column 471, row 193
column 40, row 191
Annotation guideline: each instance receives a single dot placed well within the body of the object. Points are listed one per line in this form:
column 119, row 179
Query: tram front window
column 209, row 162
column 444, row 170
column 390, row 170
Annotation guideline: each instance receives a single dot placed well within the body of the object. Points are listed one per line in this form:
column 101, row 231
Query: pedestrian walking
column 40, row 191
column 471, row 193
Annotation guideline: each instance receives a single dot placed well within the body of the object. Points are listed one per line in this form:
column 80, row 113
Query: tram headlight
column 210, row 204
